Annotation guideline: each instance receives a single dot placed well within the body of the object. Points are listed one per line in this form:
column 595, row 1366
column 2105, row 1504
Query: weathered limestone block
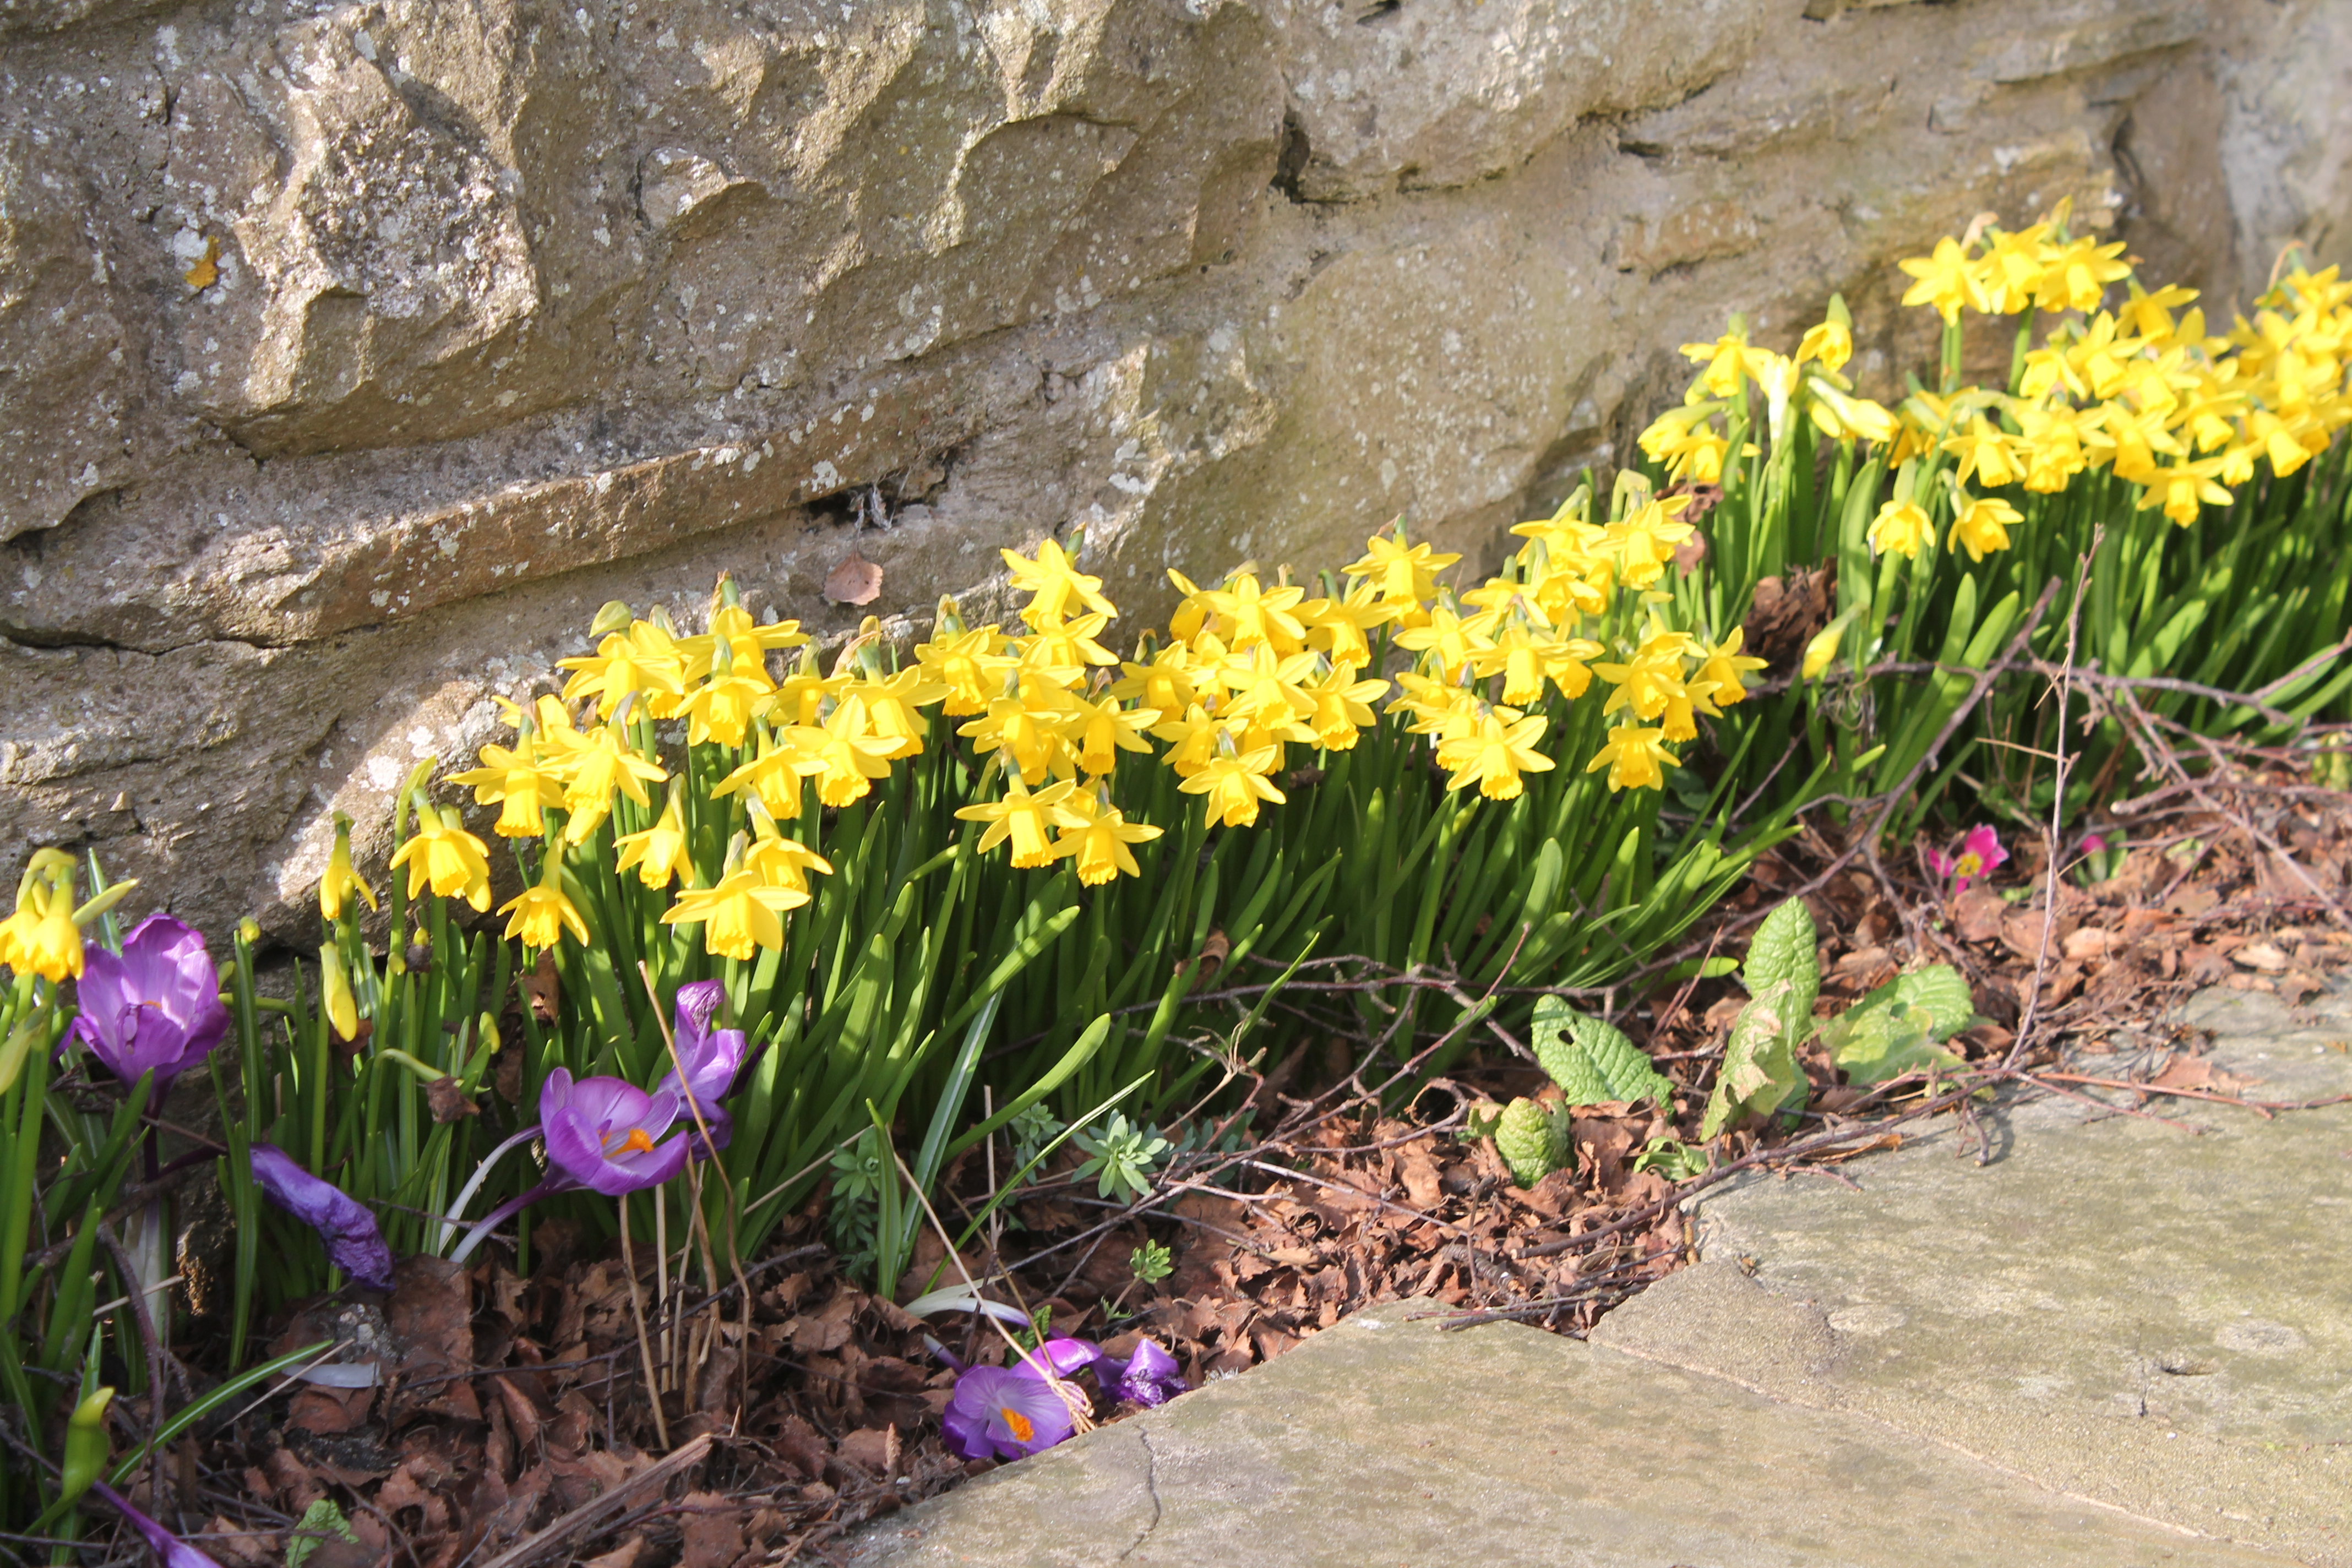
column 67, row 374
column 353, row 350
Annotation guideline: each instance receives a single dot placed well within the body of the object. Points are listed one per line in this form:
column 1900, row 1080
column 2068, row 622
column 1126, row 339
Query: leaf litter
column 512, row 1425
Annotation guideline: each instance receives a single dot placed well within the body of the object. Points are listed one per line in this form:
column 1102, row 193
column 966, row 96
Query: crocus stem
column 507, row 1210
column 645, row 1345
column 466, row 1194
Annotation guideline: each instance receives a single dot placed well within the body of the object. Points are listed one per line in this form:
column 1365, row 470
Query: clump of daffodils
column 1249, row 681
column 2106, row 375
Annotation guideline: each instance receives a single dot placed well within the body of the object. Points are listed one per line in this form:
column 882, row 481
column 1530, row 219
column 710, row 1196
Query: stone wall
column 352, row 354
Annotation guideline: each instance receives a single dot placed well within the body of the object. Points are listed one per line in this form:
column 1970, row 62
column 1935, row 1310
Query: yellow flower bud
column 335, row 993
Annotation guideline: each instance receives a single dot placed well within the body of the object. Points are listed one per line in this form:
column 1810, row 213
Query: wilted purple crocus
column 156, row 1006
column 602, row 1132
column 1004, row 1413
column 711, row 1058
column 354, row 1244
column 1980, row 851
column 1147, row 1377
column 175, row 1552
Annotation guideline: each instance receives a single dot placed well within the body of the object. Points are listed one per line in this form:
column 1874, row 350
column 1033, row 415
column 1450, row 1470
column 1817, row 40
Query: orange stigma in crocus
column 637, row 1142
column 1020, row 1425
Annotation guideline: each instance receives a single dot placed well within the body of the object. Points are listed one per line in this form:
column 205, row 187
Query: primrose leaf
column 1759, row 1064
column 320, row 1520
column 1897, row 1027
column 1524, row 1138
column 1592, row 1060
column 1783, row 949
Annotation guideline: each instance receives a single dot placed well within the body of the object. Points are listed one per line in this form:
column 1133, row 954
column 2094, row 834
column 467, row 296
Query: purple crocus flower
column 354, row 1244
column 602, row 1132
column 1004, row 1413
column 1065, row 1357
column 1147, row 1377
column 711, row 1058
column 175, row 1552
column 154, row 1007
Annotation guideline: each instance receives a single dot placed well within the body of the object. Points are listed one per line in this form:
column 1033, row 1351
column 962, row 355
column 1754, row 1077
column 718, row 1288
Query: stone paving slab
column 2112, row 1307
column 1388, row 1441
column 2114, row 1343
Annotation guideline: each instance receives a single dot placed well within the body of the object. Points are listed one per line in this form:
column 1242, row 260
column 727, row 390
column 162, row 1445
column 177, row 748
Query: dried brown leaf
column 855, row 581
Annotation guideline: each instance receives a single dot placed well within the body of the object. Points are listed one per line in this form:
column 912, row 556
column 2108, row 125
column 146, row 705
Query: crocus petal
column 574, row 1146
column 1149, row 1376
column 612, row 1103
column 355, row 1243
column 175, row 1552
column 1067, row 1357
column 697, row 1001
column 156, row 1006
column 710, row 1058
column 1005, row 1414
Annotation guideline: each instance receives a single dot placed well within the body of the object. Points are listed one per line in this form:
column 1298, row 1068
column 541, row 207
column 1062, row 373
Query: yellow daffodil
column 1982, row 526
column 721, row 709
column 1336, row 627
column 592, row 767
column 541, row 914
column 1726, row 360
column 1021, row 816
column 2076, row 275
column 42, row 937
column 1399, row 573
column 1053, row 581
column 1944, row 280
column 1723, row 667
column 1097, row 836
column 1985, row 455
column 1341, row 707
column 781, row 862
column 1901, row 526
column 893, row 708
column 844, row 756
column 1030, row 735
column 1831, row 342
column 1635, row 758
column 1192, row 739
column 1261, row 616
column 518, row 782
column 1652, row 682
column 2180, row 489
column 738, row 917
column 748, row 646
column 658, row 851
column 443, row 856
column 642, row 659
column 341, row 882
column 1068, row 647
column 1646, row 540
column 1098, row 732
column 1495, row 751
column 1235, row 784
column 1166, row 684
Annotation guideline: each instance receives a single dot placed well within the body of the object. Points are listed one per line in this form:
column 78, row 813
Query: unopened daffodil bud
column 335, row 993
column 86, row 1445
column 614, row 616
column 341, row 882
